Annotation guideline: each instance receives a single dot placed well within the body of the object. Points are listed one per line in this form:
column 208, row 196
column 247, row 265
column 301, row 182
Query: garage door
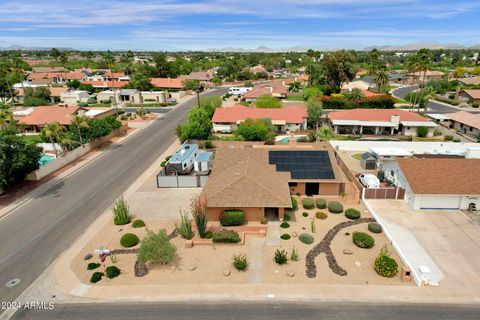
column 432, row 202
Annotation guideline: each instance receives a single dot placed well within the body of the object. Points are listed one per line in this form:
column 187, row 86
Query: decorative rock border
column 324, row 247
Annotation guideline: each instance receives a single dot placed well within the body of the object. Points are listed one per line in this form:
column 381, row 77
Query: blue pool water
column 283, row 140
column 45, row 159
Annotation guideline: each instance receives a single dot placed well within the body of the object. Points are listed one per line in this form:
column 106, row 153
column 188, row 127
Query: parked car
column 171, row 100
column 369, row 180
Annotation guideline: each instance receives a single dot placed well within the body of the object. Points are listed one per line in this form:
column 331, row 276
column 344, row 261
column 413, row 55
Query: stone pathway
column 256, row 259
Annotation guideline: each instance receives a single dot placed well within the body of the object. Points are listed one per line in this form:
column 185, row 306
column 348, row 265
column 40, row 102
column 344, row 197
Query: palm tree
column 412, row 67
column 427, row 94
column 325, row 133
column 6, row 115
column 80, row 122
column 380, row 77
column 5, row 69
column 355, row 95
column 53, row 131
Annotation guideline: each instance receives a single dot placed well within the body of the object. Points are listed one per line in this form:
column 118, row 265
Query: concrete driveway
column 450, row 238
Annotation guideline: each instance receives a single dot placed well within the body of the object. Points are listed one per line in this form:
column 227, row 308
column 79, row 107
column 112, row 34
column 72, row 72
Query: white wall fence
column 70, row 156
column 179, row 181
column 415, row 147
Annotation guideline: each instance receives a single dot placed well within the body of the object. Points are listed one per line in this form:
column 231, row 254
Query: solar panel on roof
column 303, row 164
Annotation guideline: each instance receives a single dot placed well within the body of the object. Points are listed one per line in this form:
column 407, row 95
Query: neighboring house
column 57, row 77
column 96, row 112
column 465, row 122
column 47, row 69
column 470, row 95
column 154, row 96
column 437, row 183
column 108, row 76
column 203, row 77
column 429, row 75
column 284, row 119
column 75, row 97
column 168, row 83
column 277, row 88
column 55, row 93
column 39, row 117
column 257, row 69
column 106, row 84
column 132, row 96
column 469, row 81
column 357, row 84
column 260, row 180
column 379, row 121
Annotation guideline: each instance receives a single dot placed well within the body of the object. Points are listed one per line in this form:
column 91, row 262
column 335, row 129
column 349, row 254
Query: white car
column 369, row 180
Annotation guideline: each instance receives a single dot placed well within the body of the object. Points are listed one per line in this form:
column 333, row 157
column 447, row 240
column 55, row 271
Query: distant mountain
column 17, row 47
column 258, row 49
column 421, row 45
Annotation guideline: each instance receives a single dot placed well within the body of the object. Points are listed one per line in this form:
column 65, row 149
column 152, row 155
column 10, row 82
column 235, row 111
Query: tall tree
column 339, row 68
column 53, row 132
column 315, row 109
column 380, row 77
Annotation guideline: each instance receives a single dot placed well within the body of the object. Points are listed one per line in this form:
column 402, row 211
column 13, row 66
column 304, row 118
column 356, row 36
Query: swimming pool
column 44, row 159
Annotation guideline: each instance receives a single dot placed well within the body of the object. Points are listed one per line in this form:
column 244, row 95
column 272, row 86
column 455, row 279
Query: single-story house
column 57, row 77
column 356, row 84
column 469, row 81
column 203, row 77
column 379, row 121
column 284, row 119
column 106, row 84
column 168, row 83
column 277, row 88
column 470, row 95
column 437, row 183
column 47, row 69
column 55, row 93
column 38, row 117
column 74, row 97
column 465, row 122
column 260, row 180
column 96, row 112
column 429, row 75
column 132, row 96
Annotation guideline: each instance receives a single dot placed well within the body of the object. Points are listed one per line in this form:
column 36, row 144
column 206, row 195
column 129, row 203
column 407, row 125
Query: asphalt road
column 433, row 107
column 253, row 311
column 33, row 235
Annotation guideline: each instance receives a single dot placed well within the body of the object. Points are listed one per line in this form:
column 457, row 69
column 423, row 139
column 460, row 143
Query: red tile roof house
column 378, row 121
column 277, row 89
column 284, row 119
column 41, row 116
column 471, row 95
column 168, row 83
column 465, row 122
column 106, row 84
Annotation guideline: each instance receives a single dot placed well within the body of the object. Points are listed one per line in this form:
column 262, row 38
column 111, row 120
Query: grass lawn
column 295, row 98
column 357, row 156
column 32, row 138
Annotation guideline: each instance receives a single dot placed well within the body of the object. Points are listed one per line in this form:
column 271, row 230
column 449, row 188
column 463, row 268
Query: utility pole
column 198, row 95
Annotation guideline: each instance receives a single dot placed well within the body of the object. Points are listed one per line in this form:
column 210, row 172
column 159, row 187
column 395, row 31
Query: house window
column 292, row 184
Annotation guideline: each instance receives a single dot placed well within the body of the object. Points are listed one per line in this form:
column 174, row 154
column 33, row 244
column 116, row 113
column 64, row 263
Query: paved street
column 34, row 234
column 252, row 311
column 433, row 107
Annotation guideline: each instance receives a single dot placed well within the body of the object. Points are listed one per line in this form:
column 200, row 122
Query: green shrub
column 263, row 220
column 129, row 240
column 93, row 265
column 226, row 236
column 385, row 265
column 156, row 247
column 138, row 223
column 363, row 240
column 286, row 217
column 305, row 214
column 198, row 206
column 422, row 131
column 209, row 234
column 448, row 138
column 294, row 256
column 374, row 227
column 294, row 204
column 96, row 276
column 352, row 214
column 208, row 144
column 308, row 203
column 335, row 207
column 112, row 272
column 184, row 226
column 321, row 215
column 284, row 225
column 280, row 257
column 321, row 203
column 306, row 238
column 240, row 262
column 285, row 236
column 232, row 218
column 163, row 163
column 121, row 212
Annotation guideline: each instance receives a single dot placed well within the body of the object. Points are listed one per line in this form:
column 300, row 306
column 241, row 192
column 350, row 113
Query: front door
column 312, row 189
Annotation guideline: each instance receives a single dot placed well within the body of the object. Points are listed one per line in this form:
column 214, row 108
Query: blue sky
column 188, row 24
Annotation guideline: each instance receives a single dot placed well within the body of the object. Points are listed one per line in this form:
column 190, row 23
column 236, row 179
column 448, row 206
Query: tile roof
column 174, row 83
column 41, row 81
column 240, row 113
column 47, row 69
column 272, row 87
column 106, row 84
column 475, row 94
column 54, row 91
column 382, row 115
column 51, row 75
column 472, row 80
column 49, row 114
column 442, row 176
column 467, row 118
column 198, row 75
column 242, row 177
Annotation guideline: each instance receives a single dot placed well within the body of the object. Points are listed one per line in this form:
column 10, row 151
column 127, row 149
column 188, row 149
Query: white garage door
column 437, row 202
